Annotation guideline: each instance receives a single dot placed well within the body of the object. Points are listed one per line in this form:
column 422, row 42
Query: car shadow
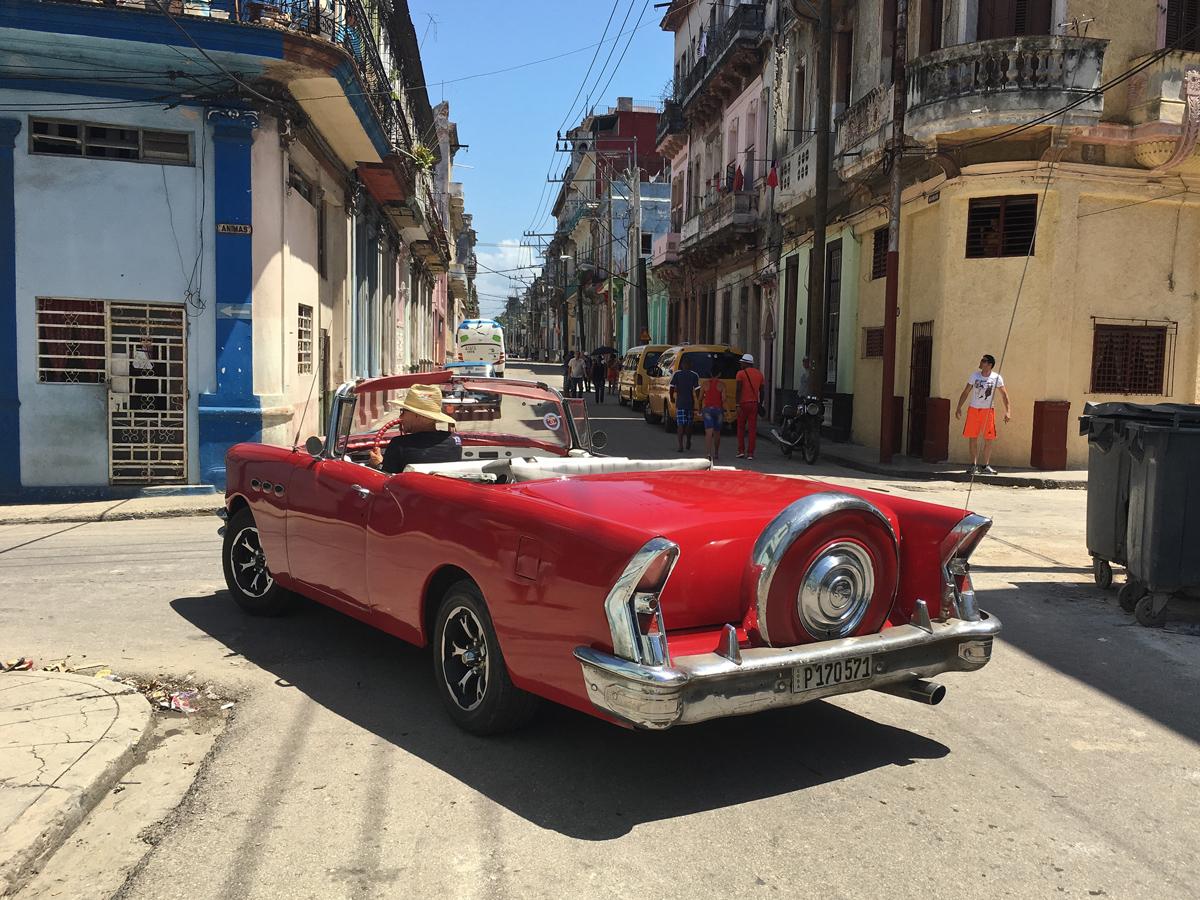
column 1063, row 626
column 566, row 771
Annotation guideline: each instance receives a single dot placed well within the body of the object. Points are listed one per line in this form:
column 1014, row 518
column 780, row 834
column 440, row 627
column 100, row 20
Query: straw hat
column 426, row 400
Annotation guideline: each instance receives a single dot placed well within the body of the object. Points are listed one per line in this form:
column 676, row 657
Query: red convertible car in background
column 651, row 593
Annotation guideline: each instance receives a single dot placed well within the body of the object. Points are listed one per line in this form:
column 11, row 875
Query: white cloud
column 492, row 287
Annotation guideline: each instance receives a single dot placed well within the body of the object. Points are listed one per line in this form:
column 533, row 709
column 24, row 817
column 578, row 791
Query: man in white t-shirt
column 982, row 387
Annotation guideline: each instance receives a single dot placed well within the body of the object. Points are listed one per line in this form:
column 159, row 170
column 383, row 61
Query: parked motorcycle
column 800, row 428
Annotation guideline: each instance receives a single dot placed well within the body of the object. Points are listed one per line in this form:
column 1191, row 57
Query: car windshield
column 651, row 360
column 485, row 412
column 708, row 364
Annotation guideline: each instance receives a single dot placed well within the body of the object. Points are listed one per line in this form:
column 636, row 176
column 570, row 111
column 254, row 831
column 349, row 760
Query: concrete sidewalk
column 65, row 741
column 866, row 459
column 111, row 510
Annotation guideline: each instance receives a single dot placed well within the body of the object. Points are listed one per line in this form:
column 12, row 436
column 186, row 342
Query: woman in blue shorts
column 713, row 411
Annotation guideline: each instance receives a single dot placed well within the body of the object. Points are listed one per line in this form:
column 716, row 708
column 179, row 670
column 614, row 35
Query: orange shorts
column 980, row 420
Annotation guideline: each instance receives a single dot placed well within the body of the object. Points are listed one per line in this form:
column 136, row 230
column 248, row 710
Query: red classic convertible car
column 648, row 592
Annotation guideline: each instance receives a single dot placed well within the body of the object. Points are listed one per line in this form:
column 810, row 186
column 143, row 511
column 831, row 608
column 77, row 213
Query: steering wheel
column 382, row 431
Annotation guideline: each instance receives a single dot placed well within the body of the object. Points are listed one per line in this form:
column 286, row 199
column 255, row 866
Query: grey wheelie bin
column 1107, row 427
column 1162, row 543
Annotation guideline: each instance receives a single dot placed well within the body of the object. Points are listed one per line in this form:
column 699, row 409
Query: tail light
column 634, row 613
column 639, row 380
column 958, row 593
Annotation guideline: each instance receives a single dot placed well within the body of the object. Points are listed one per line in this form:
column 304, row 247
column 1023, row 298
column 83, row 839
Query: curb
column 116, row 516
column 1022, row 481
column 50, row 819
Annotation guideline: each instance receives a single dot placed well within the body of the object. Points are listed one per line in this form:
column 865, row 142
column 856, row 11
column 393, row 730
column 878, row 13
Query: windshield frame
column 346, row 400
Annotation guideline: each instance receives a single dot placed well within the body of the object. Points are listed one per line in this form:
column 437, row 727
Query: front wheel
column 247, row 576
column 469, row 668
column 1129, row 595
column 812, row 447
column 1103, row 573
column 1151, row 611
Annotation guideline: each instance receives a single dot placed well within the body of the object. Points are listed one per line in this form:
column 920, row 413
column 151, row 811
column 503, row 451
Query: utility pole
column 611, row 339
column 887, row 436
column 641, row 316
column 816, row 272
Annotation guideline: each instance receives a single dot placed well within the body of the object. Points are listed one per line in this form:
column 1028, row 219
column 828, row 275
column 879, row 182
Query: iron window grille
column 71, row 340
column 301, row 185
column 1183, row 18
column 304, row 340
column 1001, row 226
column 61, row 137
column 872, row 343
column 879, row 253
column 1133, row 356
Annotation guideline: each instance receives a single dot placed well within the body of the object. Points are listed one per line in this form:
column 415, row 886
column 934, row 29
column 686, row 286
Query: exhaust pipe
column 929, row 692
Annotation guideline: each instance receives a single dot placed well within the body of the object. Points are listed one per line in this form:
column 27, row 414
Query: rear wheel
column 247, row 576
column 1103, row 573
column 621, row 399
column 469, row 668
column 1151, row 611
column 1129, row 595
column 668, row 420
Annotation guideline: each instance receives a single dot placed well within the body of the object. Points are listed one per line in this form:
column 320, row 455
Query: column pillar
column 10, row 403
column 232, row 412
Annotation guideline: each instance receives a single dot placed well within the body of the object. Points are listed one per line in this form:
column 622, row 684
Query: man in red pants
column 749, row 396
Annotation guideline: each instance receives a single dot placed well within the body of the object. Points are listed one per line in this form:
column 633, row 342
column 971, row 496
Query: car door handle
column 360, row 490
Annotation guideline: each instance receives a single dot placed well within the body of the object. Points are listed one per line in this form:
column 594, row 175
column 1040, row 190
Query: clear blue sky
column 510, row 119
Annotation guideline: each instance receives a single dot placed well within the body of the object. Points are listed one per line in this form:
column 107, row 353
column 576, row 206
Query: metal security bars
column 1001, row 226
column 70, row 341
column 60, row 137
column 1133, row 356
column 879, row 247
column 304, row 340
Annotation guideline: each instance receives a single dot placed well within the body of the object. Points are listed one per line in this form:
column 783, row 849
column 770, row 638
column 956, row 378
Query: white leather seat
column 548, row 467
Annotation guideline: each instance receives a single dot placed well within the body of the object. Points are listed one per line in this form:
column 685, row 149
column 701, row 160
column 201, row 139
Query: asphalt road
column 1069, row 766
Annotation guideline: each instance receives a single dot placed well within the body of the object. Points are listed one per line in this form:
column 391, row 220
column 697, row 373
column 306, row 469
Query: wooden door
column 920, row 378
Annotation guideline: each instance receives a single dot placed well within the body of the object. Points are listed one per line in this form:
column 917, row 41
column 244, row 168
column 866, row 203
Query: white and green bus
column 481, row 340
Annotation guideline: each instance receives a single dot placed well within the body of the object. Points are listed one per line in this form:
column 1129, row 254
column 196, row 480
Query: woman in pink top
column 713, row 410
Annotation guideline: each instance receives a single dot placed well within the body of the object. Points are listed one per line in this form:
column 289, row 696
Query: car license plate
column 820, row 675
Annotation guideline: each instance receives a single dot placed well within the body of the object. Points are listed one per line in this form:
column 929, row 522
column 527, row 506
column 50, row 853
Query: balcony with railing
column 797, row 176
column 732, row 56
column 725, row 218
column 665, row 249
column 669, row 134
column 863, row 131
column 1008, row 81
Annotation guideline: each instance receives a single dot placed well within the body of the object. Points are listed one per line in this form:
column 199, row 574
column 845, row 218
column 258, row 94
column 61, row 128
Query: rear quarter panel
column 543, row 570
column 253, row 472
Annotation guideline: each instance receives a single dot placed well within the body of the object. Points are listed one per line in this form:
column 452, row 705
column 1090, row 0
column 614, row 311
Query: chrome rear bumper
column 713, row 685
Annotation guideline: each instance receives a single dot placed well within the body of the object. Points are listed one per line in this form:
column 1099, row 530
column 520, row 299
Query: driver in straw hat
column 419, row 440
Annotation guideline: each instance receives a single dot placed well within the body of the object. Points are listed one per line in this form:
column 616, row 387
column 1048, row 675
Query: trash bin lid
column 1153, row 413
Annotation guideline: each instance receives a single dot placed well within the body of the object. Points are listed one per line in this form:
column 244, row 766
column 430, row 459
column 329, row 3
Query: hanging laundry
column 773, row 176
column 738, row 180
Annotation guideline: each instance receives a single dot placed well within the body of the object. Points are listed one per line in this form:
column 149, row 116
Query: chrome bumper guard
column 712, row 685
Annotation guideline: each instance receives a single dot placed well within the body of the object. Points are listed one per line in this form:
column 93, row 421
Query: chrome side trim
column 792, row 522
column 622, row 605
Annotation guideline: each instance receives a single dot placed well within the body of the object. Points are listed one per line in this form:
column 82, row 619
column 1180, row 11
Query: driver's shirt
column 421, row 447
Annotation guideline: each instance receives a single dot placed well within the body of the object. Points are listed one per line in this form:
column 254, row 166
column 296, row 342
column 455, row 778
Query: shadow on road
column 567, row 771
column 1101, row 647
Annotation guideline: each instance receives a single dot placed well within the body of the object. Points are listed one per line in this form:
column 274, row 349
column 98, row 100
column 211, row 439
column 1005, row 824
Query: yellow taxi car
column 638, row 361
column 706, row 360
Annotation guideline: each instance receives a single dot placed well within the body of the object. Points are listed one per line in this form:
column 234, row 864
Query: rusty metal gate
column 147, row 394
column 919, row 381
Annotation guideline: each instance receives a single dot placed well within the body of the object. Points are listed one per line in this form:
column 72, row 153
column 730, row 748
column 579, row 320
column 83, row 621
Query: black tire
column 638, row 406
column 485, row 702
column 786, row 450
column 621, row 401
column 1103, row 573
column 668, row 420
column 812, row 450
column 247, row 576
column 1129, row 595
column 1145, row 615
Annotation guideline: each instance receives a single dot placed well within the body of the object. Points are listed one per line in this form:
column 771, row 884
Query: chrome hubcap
column 465, row 663
column 836, row 589
column 249, row 564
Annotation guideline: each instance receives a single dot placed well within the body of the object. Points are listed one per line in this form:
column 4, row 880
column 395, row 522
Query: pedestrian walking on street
column 577, row 367
column 713, row 413
column 749, row 387
column 982, row 387
column 614, row 372
column 599, row 376
column 685, row 385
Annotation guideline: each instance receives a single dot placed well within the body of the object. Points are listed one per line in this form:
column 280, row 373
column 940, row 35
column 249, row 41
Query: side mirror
column 599, row 440
column 315, row 447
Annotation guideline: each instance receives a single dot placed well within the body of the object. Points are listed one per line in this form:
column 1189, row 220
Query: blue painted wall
column 10, row 422
column 232, row 412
